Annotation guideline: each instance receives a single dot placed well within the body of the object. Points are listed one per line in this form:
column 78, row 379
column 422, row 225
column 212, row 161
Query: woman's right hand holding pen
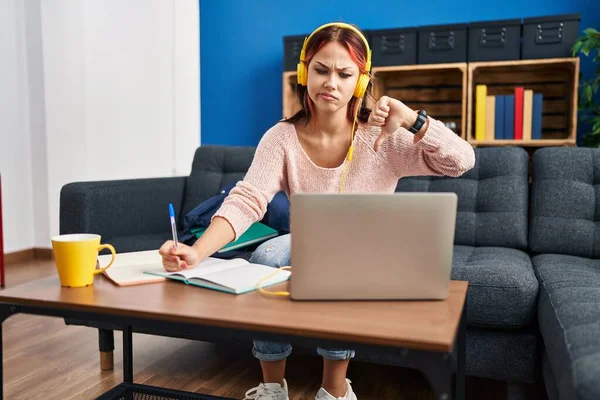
column 178, row 258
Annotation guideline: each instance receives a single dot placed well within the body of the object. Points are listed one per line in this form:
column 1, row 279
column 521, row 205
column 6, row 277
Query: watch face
column 421, row 118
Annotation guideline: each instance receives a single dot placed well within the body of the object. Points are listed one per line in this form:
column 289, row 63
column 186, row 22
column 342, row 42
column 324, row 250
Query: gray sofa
column 565, row 248
column 511, row 335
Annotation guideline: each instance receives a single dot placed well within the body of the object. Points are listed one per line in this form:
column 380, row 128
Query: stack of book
column 516, row 116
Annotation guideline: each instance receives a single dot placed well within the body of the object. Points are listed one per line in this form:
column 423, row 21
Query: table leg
column 1, row 241
column 106, row 342
column 438, row 368
column 461, row 354
column 5, row 312
column 127, row 354
column 441, row 382
column 1, row 365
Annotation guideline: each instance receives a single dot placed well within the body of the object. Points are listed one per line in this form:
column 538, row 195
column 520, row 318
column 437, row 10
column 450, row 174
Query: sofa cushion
column 492, row 197
column 213, row 168
column 504, row 355
column 569, row 320
column 502, row 286
column 119, row 207
column 126, row 244
column 565, row 202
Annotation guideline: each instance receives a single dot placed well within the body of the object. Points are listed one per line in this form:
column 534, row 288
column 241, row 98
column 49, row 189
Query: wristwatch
column 421, row 118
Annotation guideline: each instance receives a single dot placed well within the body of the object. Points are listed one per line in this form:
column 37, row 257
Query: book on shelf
column 536, row 118
column 518, row 110
column 527, row 111
column 490, row 116
column 499, row 119
column 515, row 116
column 480, row 108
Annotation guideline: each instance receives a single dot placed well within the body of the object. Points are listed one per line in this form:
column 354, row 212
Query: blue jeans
column 276, row 253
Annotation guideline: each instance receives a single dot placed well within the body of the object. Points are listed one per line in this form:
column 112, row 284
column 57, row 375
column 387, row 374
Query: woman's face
column 332, row 77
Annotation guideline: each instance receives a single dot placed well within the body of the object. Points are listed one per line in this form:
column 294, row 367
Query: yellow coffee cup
column 76, row 256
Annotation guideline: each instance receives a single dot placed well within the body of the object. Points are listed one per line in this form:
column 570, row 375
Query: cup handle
column 112, row 250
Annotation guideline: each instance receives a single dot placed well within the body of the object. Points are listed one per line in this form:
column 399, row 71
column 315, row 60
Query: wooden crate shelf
column 447, row 92
column 441, row 89
column 523, row 143
column 556, row 79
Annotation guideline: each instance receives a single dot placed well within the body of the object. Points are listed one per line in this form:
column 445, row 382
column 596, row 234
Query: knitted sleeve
column 440, row 152
column 247, row 201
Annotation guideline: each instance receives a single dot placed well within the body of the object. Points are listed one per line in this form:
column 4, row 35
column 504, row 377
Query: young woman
column 335, row 143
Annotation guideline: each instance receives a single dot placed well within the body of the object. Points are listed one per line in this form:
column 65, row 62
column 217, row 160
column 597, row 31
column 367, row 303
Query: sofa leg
column 106, row 341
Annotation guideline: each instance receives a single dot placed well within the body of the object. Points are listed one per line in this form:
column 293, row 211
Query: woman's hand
column 177, row 258
column 390, row 114
column 217, row 235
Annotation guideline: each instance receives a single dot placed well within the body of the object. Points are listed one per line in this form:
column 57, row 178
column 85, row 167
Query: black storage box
column 393, row 46
column 292, row 46
column 442, row 44
column 495, row 40
column 551, row 36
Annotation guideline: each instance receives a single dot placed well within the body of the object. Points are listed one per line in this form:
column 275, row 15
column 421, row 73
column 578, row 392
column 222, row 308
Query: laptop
column 372, row 246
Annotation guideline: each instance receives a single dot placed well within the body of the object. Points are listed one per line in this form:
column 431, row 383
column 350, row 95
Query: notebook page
column 128, row 268
column 211, row 265
column 132, row 275
column 246, row 277
column 208, row 266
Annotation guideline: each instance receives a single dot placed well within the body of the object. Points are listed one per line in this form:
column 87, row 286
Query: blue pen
column 173, row 226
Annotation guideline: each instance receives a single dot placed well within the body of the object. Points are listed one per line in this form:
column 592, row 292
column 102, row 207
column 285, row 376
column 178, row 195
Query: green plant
column 587, row 44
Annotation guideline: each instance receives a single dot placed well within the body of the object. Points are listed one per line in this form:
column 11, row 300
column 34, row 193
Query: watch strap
column 421, row 118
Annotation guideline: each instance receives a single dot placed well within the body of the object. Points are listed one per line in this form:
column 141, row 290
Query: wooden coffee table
column 422, row 334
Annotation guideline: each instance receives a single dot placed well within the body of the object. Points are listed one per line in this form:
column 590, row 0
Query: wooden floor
column 46, row 359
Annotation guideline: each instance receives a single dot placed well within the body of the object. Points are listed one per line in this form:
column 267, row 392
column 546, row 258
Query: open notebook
column 128, row 268
column 234, row 276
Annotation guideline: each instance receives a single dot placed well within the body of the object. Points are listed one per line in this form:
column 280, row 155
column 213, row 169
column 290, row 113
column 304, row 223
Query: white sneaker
column 268, row 391
column 322, row 394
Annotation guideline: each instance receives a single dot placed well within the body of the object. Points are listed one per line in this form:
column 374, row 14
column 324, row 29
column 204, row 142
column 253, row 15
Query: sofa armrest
column 120, row 207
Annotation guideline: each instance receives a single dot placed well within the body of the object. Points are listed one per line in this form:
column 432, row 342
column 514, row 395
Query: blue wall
column 241, row 48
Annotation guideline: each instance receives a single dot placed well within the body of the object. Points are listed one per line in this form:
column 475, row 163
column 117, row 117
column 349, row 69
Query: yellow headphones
column 359, row 90
column 363, row 79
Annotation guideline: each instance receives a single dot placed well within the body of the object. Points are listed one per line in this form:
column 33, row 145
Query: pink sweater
column 280, row 163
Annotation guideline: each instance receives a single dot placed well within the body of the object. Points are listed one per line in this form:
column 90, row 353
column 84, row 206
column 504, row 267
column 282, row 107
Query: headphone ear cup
column 301, row 70
column 361, row 85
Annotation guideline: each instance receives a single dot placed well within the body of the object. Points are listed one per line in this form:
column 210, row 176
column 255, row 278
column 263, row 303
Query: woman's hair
column 358, row 52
